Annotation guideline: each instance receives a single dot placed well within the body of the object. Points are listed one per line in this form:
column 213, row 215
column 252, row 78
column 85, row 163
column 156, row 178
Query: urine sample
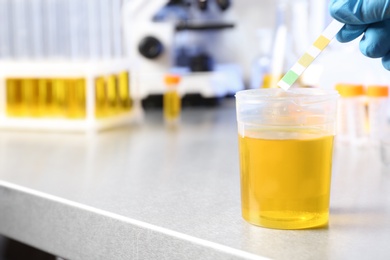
column 100, row 98
column 351, row 114
column 13, row 87
column 172, row 101
column 112, row 95
column 286, row 158
column 29, row 97
column 76, row 98
column 124, row 91
column 45, row 97
column 289, row 177
column 59, row 97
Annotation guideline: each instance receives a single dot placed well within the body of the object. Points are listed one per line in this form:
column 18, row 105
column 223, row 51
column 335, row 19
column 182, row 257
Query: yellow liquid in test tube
column 45, row 97
column 171, row 101
column 76, row 98
column 100, row 98
column 29, row 88
column 172, row 105
column 60, row 97
column 112, row 95
column 124, row 93
column 286, row 180
column 13, row 97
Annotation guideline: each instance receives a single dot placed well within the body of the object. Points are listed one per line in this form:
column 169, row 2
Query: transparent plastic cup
column 286, row 149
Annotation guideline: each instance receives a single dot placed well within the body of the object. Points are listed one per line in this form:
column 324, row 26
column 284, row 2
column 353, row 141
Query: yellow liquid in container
column 45, row 97
column 100, row 98
column 29, row 97
column 124, row 93
column 172, row 105
column 112, row 95
column 60, row 97
column 285, row 183
column 76, row 98
column 13, row 97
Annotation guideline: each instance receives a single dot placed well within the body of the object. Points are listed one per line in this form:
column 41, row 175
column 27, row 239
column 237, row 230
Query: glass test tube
column 112, row 95
column 13, row 97
column 100, row 97
column 5, row 32
column 45, row 97
column 172, row 101
column 59, row 97
column 377, row 109
column 76, row 98
column 124, row 91
column 352, row 114
column 29, row 89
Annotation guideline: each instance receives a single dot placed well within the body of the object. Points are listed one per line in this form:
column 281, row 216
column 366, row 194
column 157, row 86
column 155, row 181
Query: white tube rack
column 89, row 71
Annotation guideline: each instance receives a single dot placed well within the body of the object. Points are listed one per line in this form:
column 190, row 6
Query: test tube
column 377, row 111
column 63, row 29
column 50, row 28
column 74, row 24
column 81, row 97
column 78, row 29
column 36, row 34
column 45, row 97
column 13, row 97
column 116, row 28
column 29, row 88
column 76, row 98
column 172, row 101
column 112, row 95
column 124, row 91
column 20, row 30
column 352, row 114
column 5, row 35
column 59, row 97
column 94, row 32
column 106, row 28
column 100, row 97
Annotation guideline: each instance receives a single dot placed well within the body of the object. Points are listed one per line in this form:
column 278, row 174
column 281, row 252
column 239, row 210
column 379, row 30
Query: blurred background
column 96, row 64
column 219, row 46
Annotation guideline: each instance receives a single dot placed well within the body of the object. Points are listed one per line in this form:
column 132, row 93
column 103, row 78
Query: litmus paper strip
column 309, row 56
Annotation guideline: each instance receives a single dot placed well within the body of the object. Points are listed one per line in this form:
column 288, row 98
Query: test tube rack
column 67, row 96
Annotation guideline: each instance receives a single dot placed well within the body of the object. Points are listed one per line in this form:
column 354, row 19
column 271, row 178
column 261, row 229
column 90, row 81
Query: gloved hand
column 371, row 17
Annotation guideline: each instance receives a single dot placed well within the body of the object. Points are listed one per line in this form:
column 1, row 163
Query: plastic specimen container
column 286, row 145
column 352, row 113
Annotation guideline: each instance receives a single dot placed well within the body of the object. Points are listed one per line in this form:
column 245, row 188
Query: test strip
column 310, row 55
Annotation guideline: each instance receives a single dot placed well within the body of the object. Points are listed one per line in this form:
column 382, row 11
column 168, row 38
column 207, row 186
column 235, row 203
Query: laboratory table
column 149, row 191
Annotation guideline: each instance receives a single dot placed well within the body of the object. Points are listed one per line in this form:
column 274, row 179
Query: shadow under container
column 286, row 150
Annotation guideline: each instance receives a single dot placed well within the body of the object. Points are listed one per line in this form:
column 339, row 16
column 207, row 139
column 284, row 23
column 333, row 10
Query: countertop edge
column 76, row 231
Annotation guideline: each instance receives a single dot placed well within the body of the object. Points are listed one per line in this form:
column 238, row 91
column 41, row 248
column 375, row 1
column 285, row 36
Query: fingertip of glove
column 341, row 38
column 337, row 10
column 349, row 33
column 386, row 61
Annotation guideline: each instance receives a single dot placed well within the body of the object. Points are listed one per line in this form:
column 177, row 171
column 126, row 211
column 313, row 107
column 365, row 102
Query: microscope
column 183, row 37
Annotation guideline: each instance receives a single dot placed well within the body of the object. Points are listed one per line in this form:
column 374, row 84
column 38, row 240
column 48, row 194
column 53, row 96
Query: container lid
column 377, row 91
column 350, row 90
column 171, row 79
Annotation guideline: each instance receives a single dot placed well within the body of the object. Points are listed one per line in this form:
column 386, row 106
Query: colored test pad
column 306, row 59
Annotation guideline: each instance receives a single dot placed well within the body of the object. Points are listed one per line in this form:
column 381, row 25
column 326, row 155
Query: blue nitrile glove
column 371, row 17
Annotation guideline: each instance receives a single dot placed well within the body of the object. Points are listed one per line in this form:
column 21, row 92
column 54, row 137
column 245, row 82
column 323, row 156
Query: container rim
column 277, row 94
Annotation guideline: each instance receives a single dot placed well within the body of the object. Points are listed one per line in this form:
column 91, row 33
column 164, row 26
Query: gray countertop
column 149, row 192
